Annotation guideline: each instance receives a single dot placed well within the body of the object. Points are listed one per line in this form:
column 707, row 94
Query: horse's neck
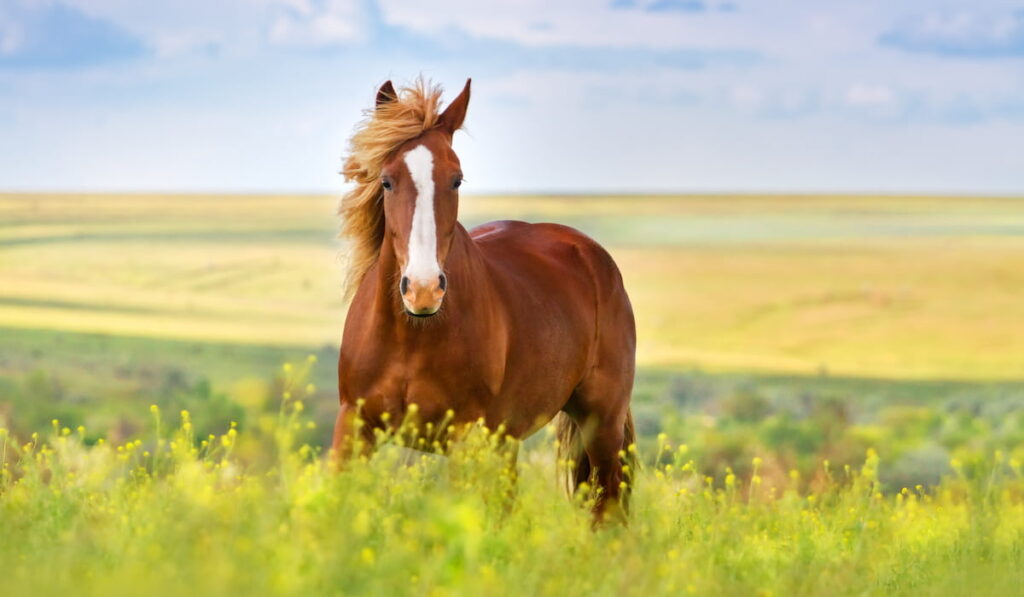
column 472, row 327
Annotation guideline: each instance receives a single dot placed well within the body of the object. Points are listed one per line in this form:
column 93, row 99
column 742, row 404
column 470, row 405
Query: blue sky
column 574, row 96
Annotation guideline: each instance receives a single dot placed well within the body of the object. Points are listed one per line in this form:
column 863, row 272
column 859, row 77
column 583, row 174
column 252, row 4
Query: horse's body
column 535, row 321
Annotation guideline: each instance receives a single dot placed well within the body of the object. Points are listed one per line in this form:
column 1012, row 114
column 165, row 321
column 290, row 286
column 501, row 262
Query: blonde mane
column 383, row 130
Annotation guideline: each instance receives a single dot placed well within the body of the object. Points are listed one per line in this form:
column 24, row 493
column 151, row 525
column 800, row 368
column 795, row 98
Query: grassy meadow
column 830, row 398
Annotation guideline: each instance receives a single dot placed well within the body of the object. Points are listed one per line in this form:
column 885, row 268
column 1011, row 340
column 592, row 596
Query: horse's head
column 421, row 203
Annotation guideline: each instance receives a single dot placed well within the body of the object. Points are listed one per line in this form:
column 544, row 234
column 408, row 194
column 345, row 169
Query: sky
column 568, row 95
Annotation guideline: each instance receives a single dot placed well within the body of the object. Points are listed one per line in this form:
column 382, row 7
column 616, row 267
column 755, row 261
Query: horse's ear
column 452, row 117
column 386, row 93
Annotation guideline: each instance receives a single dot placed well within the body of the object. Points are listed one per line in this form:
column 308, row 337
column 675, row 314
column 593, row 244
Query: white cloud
column 180, row 27
column 970, row 33
column 232, row 27
column 568, row 22
column 869, row 95
column 746, row 97
column 331, row 22
column 10, row 37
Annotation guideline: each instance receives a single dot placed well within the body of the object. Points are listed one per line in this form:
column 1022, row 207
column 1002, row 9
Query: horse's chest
column 434, row 385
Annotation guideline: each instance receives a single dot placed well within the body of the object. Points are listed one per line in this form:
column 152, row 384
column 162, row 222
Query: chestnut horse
column 511, row 322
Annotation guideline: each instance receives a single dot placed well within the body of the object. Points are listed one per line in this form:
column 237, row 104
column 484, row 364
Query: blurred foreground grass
column 174, row 512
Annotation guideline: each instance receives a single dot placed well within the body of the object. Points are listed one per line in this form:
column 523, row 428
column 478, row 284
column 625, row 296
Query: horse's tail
column 577, row 465
column 571, row 457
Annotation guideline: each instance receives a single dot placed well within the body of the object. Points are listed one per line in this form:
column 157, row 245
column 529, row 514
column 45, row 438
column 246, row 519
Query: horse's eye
column 457, row 183
column 386, row 184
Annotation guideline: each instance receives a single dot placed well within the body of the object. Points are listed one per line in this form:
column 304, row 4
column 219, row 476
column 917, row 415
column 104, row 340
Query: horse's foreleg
column 509, row 450
column 351, row 436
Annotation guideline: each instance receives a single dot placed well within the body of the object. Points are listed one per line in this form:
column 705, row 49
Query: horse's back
column 559, row 246
column 543, row 239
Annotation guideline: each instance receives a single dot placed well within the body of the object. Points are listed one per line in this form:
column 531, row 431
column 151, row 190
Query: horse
column 510, row 322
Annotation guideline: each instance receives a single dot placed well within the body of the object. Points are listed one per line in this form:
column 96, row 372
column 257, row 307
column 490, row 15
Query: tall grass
column 171, row 513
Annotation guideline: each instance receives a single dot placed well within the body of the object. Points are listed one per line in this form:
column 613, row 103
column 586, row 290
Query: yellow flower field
column 171, row 514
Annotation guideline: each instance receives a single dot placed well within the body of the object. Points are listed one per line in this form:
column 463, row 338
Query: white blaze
column 423, row 236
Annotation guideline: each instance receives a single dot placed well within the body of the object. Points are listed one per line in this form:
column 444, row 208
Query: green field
column 791, row 330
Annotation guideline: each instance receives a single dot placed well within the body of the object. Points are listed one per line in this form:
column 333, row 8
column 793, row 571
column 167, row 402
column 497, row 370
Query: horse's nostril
column 404, row 286
column 443, row 281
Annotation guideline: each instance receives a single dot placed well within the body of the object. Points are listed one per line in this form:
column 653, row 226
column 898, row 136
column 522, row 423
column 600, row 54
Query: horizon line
column 603, row 193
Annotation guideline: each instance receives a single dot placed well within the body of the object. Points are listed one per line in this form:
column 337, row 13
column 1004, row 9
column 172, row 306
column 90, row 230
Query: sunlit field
column 830, row 399
column 863, row 286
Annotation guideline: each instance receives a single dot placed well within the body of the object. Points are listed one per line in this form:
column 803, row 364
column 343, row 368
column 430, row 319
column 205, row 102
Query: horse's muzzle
column 423, row 298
